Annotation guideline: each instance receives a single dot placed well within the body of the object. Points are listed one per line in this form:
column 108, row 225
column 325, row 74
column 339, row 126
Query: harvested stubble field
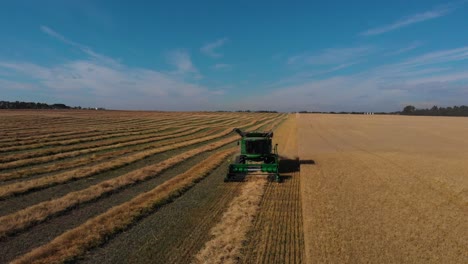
column 147, row 187
column 75, row 183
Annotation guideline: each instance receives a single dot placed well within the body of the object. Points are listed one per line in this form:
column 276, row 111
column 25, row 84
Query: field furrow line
column 94, row 231
column 230, row 233
column 132, row 147
column 19, row 143
column 84, row 142
column 83, row 172
column 191, row 244
column 68, row 139
column 60, row 127
column 29, row 133
column 37, row 160
column 43, row 159
column 276, row 236
column 40, row 212
column 23, row 173
column 55, row 129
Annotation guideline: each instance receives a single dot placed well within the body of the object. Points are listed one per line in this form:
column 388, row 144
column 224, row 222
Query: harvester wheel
column 227, row 178
column 240, row 160
column 277, row 178
column 269, row 160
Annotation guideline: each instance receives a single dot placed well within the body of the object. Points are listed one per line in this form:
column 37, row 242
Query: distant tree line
column 348, row 113
column 248, row 111
column 33, row 105
column 436, row 111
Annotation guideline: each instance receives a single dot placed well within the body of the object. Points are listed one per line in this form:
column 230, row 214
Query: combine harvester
column 257, row 154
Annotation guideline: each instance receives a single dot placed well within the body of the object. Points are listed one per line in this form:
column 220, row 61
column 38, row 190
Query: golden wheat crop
column 384, row 189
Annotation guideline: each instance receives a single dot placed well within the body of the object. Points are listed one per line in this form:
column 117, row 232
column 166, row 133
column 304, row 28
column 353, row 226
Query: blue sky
column 210, row 55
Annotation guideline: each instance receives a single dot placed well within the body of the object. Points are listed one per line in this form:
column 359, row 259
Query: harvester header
column 257, row 154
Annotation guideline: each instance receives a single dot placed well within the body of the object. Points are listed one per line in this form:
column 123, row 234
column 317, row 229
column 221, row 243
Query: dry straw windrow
column 86, row 129
column 37, row 160
column 230, row 233
column 76, row 153
column 80, row 138
column 98, row 141
column 51, row 131
column 43, row 182
column 22, row 173
column 107, row 134
column 39, row 212
column 83, row 172
column 54, row 127
column 94, row 231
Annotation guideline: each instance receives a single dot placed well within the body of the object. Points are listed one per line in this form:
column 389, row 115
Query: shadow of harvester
column 287, row 166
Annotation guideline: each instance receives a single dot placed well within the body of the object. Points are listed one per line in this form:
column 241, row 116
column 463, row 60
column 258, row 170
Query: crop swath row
column 24, row 161
column 94, row 231
column 83, row 144
column 43, row 210
column 68, row 140
column 113, row 130
column 122, row 149
column 32, row 161
column 85, row 241
column 210, row 146
column 43, row 182
column 52, row 128
column 277, row 235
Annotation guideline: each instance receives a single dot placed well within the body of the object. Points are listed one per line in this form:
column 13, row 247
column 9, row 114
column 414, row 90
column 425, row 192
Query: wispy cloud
column 331, row 56
column 87, row 50
column 183, row 63
column 408, row 48
column 413, row 19
column 381, row 88
column 93, row 80
column 438, row 57
column 222, row 66
column 210, row 49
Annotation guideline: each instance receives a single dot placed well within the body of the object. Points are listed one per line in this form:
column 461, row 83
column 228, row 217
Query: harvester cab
column 257, row 154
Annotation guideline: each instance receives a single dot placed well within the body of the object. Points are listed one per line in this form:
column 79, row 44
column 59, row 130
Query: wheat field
column 384, row 189
column 135, row 187
column 69, row 180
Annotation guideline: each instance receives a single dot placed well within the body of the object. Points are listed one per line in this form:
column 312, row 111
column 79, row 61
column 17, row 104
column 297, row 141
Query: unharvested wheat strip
column 230, row 233
column 94, row 231
column 88, row 140
column 39, row 212
column 37, row 160
column 23, row 173
column 22, row 187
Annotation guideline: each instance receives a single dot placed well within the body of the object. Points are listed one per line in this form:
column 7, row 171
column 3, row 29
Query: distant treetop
column 33, row 105
column 436, row 111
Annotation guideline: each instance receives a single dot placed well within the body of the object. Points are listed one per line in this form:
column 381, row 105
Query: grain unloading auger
column 257, row 154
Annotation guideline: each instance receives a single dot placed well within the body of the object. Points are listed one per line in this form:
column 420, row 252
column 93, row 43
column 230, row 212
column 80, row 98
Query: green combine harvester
column 257, row 154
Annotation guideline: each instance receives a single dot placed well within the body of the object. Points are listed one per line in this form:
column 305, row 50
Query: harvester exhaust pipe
column 240, row 132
